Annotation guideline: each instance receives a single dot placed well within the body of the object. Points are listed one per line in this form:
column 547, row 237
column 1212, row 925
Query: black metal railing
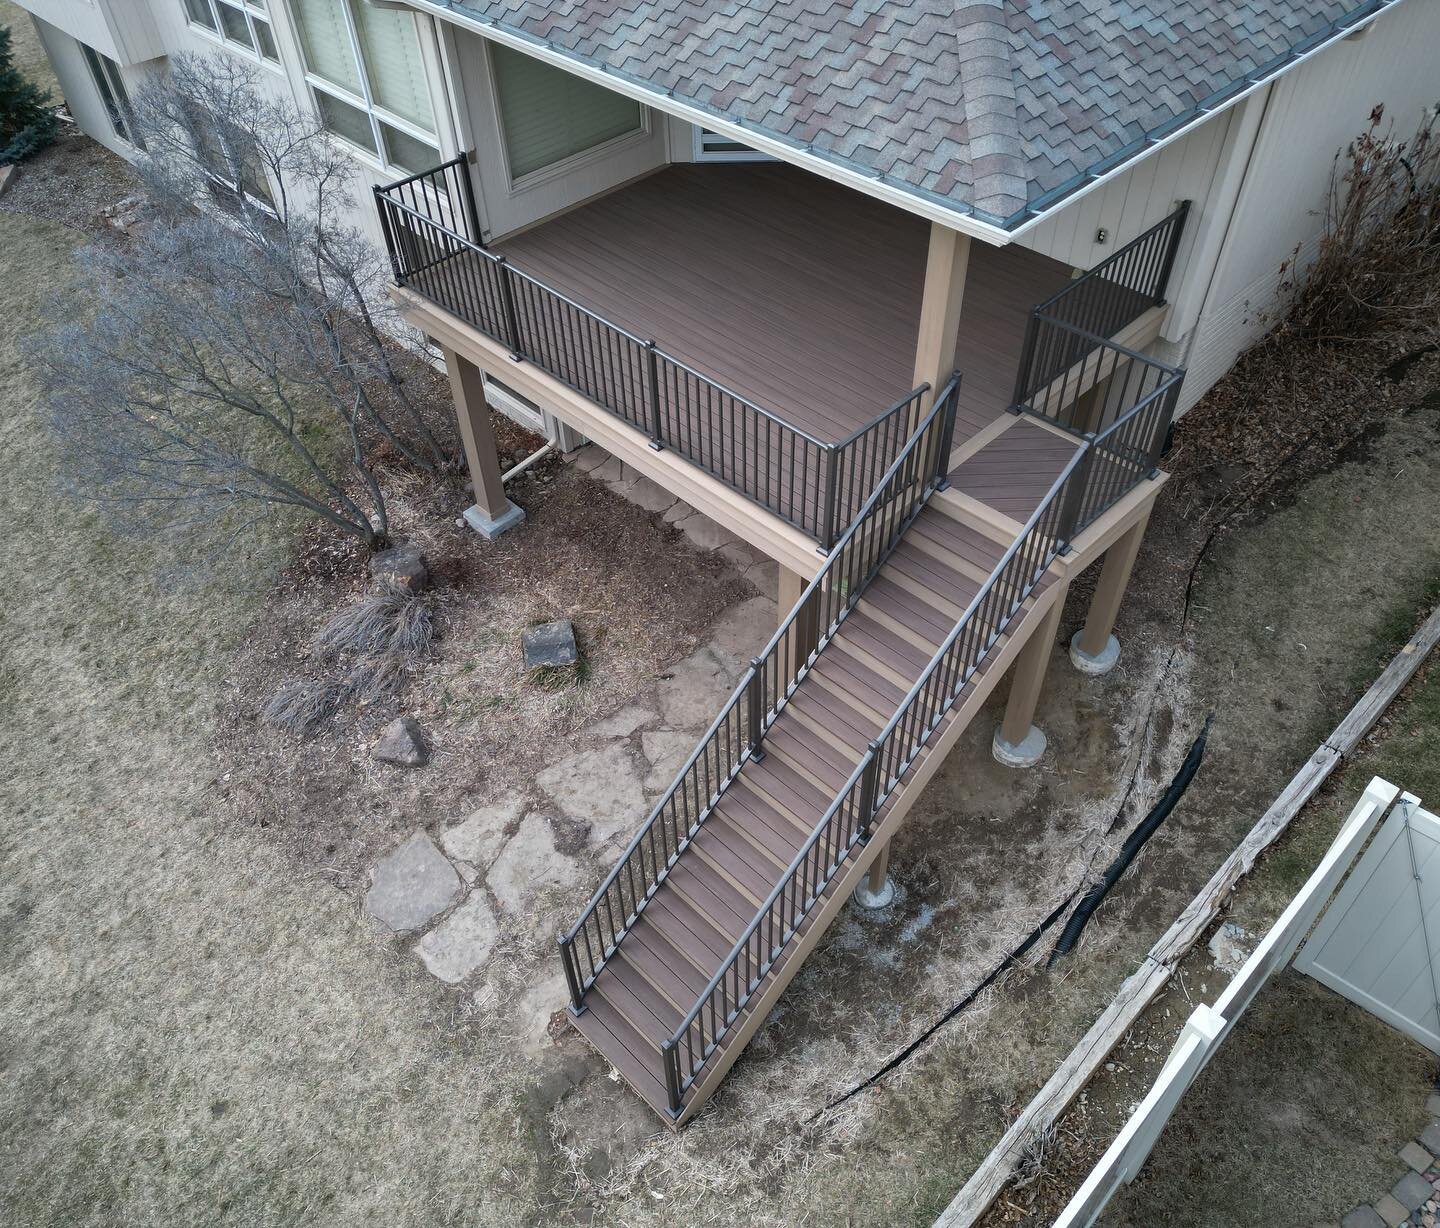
column 1112, row 295
column 433, row 236
column 849, row 819
column 738, row 733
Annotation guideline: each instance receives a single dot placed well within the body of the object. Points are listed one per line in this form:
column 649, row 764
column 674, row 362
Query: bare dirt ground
column 199, row 1026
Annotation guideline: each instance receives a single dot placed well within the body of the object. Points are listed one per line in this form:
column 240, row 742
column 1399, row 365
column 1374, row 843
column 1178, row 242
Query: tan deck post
column 807, row 628
column 945, row 269
column 1018, row 742
column 1094, row 650
column 492, row 512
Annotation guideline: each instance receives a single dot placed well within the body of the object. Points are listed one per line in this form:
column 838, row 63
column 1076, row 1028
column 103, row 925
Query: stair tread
column 887, row 597
column 605, row 1027
column 732, row 854
column 885, row 645
column 761, row 822
column 939, row 579
column 794, row 741
column 677, row 977
column 687, row 929
column 823, row 710
column 851, row 660
column 632, row 993
column 705, row 890
column 778, row 780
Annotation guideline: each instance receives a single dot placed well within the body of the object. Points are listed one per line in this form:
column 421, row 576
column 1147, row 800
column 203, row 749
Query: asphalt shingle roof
column 985, row 105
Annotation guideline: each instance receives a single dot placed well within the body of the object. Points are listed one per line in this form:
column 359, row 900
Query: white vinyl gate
column 1376, row 943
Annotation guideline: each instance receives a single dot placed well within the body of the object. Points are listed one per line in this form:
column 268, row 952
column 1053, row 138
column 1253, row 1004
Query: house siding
column 1309, row 117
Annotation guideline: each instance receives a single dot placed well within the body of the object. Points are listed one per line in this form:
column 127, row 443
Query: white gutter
column 870, row 185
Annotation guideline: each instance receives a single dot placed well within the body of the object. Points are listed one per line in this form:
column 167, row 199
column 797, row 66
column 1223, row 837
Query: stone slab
column 704, row 532
column 650, row 495
column 623, row 722
column 1391, row 1211
column 1416, row 1157
column 1411, row 1190
column 743, row 630
column 462, row 942
column 667, row 750
column 1430, row 1138
column 692, row 694
column 479, row 837
column 600, row 787
column 1362, row 1217
column 529, row 863
column 411, row 885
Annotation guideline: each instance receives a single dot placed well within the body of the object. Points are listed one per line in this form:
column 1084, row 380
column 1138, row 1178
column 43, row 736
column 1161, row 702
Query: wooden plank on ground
column 1136, row 993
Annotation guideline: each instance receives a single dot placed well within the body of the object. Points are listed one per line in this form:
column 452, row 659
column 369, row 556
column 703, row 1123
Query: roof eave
column 929, row 206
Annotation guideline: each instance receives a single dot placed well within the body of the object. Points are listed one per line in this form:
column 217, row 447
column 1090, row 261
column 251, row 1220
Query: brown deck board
column 799, row 294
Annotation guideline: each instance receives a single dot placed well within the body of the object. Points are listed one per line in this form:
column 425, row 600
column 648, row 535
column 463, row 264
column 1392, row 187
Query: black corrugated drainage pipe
column 1133, row 844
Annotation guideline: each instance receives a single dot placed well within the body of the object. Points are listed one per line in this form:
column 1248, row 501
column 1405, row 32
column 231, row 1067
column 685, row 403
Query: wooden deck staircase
column 813, row 762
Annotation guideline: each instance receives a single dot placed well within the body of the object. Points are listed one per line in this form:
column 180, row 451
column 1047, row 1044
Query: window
column 111, row 86
column 716, row 147
column 229, row 156
column 364, row 68
column 547, row 115
column 244, row 24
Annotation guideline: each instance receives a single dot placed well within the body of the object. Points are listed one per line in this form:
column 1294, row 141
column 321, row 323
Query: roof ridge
column 987, row 85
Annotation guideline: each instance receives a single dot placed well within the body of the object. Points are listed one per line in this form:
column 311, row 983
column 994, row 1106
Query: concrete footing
column 867, row 898
column 489, row 528
column 1023, row 754
column 1101, row 663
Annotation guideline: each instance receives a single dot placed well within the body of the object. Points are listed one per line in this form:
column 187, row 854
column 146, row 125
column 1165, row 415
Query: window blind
column 547, row 115
column 328, row 50
column 392, row 59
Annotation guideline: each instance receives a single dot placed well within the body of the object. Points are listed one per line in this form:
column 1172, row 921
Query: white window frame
column 556, row 170
column 702, row 153
column 253, row 13
column 114, row 97
column 365, row 101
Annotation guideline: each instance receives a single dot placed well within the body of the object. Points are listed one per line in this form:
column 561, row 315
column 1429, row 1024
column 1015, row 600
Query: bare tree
column 236, row 351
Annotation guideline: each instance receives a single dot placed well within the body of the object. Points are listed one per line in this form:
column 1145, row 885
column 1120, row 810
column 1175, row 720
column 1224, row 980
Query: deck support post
column 1094, row 650
column 807, row 626
column 878, row 889
column 939, row 333
column 1018, row 742
column 492, row 512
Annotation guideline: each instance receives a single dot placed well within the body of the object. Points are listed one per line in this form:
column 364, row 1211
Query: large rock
column 531, row 863
column 462, row 942
column 692, row 695
column 550, row 645
column 599, row 787
column 475, row 841
column 403, row 744
column 411, row 885
column 402, row 565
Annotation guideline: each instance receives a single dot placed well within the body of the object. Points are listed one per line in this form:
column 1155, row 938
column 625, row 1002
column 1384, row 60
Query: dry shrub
column 394, row 622
column 1378, row 265
column 368, row 646
column 303, row 705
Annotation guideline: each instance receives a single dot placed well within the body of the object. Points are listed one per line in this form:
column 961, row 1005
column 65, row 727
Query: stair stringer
column 887, row 822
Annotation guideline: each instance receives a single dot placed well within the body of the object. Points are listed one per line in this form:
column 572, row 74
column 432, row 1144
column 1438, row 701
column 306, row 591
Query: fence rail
column 433, row 235
column 738, row 732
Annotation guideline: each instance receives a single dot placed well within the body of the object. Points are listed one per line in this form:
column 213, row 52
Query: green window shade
column 548, row 115
column 326, row 39
column 392, row 59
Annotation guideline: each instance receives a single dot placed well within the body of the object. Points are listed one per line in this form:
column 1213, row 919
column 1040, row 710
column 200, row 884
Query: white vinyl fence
column 1371, row 945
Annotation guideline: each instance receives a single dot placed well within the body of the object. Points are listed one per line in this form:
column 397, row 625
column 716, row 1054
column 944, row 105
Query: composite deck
column 800, row 295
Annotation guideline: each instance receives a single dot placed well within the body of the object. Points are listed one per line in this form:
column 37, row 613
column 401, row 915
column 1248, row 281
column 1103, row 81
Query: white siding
column 1310, row 115
column 1133, row 202
column 122, row 29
